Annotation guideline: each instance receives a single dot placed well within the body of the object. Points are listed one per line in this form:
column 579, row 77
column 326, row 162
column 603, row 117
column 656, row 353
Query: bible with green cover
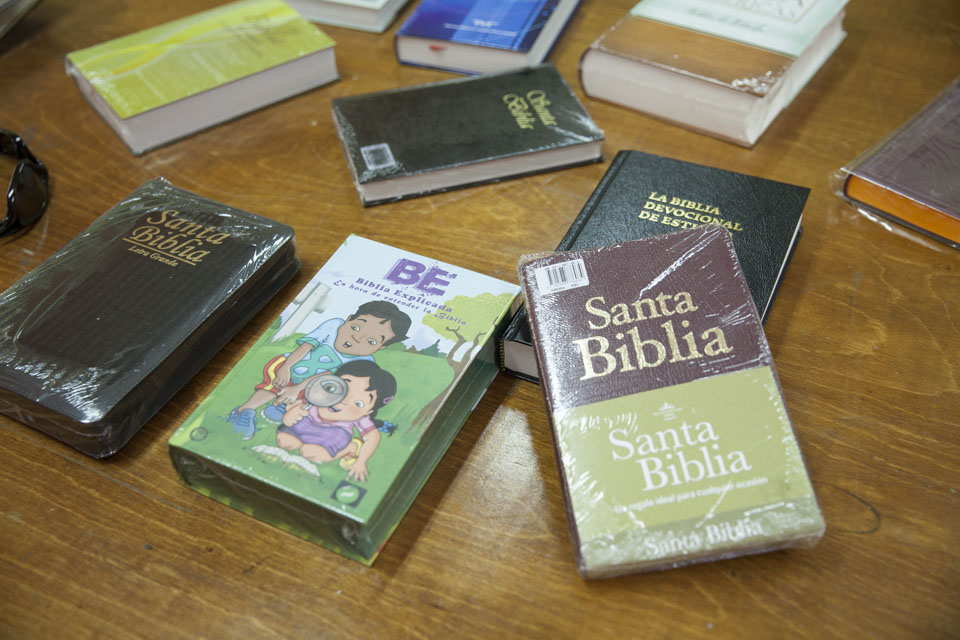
column 673, row 441
column 333, row 420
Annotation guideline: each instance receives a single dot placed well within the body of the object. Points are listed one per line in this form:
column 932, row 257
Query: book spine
column 560, row 31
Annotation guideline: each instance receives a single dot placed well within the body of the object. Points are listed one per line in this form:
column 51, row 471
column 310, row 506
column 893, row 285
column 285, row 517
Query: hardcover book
column 911, row 176
column 482, row 36
column 418, row 140
column 173, row 80
column 333, row 420
column 721, row 67
column 366, row 15
column 672, row 438
column 103, row 333
column 643, row 195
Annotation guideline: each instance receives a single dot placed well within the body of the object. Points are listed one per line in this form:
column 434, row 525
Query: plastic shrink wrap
column 412, row 141
column 911, row 176
column 97, row 338
column 672, row 438
column 335, row 417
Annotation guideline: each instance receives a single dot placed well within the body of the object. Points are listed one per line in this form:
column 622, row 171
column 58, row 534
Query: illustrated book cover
column 366, row 15
column 98, row 337
column 722, row 67
column 413, row 141
column 672, row 438
column 169, row 81
column 332, row 421
column 643, row 195
column 482, row 36
column 911, row 177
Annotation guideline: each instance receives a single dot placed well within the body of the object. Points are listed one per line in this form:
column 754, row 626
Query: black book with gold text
column 413, row 141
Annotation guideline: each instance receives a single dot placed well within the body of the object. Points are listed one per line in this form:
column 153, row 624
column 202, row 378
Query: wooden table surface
column 864, row 332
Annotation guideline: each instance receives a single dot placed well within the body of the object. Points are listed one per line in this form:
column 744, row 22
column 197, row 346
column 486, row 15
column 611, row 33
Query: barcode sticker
column 561, row 276
column 378, row 156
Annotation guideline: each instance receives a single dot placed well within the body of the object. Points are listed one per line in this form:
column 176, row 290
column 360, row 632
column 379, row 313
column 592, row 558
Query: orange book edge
column 921, row 216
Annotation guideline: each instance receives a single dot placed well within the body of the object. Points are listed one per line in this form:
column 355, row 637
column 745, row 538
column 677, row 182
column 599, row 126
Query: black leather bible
column 413, row 141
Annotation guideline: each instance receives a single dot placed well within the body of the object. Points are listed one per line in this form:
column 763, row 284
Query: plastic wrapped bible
column 104, row 332
column 673, row 441
column 333, row 420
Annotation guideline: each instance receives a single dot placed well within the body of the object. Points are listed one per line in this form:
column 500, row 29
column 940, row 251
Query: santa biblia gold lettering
column 177, row 237
column 675, row 342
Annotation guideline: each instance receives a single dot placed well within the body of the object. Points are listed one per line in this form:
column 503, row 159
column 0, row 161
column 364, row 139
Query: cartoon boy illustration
column 375, row 325
column 325, row 434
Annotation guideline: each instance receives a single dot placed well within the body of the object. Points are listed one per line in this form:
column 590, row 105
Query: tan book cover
column 722, row 67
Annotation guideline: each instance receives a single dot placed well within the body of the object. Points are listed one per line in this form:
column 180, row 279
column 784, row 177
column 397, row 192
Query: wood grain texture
column 864, row 332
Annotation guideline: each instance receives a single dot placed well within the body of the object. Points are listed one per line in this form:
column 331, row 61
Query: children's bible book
column 672, row 438
column 333, row 420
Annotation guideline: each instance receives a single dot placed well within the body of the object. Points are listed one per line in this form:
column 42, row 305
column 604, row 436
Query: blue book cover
column 505, row 24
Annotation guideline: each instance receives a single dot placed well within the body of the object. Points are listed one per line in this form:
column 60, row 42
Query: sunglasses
column 29, row 189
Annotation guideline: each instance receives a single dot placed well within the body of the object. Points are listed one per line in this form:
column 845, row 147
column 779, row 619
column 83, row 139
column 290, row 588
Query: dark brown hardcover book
column 673, row 440
column 104, row 332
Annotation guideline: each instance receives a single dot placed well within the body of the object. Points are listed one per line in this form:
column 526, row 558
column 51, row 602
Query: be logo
column 430, row 281
column 348, row 494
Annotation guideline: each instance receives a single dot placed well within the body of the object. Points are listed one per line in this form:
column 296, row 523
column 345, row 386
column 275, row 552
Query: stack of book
column 645, row 327
column 644, row 195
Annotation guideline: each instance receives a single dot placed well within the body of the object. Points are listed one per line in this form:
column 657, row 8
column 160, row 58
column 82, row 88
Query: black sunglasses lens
column 8, row 143
column 29, row 194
